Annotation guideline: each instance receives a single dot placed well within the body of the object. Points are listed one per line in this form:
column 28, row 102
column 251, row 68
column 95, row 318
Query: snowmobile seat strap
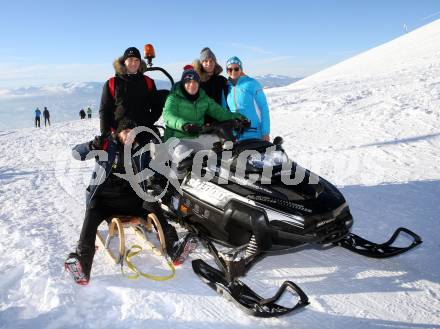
column 135, row 250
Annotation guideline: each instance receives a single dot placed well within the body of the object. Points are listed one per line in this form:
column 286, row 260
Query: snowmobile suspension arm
column 233, row 268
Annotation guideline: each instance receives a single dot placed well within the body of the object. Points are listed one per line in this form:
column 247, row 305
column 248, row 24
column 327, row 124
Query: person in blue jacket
column 37, row 117
column 246, row 96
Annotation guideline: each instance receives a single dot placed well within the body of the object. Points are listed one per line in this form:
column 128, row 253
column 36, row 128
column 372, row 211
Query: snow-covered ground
column 370, row 124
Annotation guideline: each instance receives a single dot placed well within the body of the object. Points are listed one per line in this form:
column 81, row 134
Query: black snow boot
column 79, row 264
column 86, row 254
column 171, row 238
column 180, row 249
column 177, row 250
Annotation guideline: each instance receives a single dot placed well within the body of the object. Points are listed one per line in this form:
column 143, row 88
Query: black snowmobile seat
column 186, row 163
column 251, row 144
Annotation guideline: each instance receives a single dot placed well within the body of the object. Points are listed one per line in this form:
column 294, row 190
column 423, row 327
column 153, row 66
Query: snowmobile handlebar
column 163, row 71
column 225, row 130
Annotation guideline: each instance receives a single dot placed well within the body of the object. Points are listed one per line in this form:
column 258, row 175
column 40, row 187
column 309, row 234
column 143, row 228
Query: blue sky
column 45, row 42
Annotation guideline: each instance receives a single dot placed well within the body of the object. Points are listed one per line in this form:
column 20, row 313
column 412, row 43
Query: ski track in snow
column 373, row 129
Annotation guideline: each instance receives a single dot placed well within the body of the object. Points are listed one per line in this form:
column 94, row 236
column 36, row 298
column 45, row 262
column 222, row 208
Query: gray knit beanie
column 207, row 53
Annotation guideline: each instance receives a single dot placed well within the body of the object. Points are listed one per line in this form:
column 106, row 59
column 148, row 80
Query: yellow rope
column 131, row 253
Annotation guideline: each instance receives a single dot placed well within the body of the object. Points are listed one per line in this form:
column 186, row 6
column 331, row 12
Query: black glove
column 245, row 122
column 96, row 143
column 192, row 128
column 242, row 122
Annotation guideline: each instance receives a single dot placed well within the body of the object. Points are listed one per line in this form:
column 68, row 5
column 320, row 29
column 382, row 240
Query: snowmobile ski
column 367, row 248
column 243, row 296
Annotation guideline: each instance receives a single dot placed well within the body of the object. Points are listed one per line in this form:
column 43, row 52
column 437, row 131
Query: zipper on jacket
column 235, row 100
column 195, row 107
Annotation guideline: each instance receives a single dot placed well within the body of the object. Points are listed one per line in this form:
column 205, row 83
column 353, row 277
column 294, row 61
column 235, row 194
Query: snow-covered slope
column 382, row 103
column 374, row 132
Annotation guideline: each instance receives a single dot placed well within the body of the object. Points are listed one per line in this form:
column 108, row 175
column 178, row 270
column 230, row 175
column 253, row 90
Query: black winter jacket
column 132, row 100
column 103, row 183
column 215, row 87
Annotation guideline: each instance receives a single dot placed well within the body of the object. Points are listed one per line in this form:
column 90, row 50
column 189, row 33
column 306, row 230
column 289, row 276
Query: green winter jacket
column 179, row 110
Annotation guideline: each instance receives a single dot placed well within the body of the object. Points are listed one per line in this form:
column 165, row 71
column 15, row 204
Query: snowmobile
column 251, row 216
column 250, row 210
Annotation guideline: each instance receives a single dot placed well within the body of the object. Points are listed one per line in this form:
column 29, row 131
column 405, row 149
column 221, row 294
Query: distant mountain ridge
column 274, row 80
column 65, row 100
column 93, row 88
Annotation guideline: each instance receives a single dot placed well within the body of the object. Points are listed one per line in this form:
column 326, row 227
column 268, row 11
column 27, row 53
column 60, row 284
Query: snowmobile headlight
column 271, row 159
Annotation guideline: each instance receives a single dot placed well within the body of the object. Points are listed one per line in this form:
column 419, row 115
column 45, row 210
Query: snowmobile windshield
column 268, row 159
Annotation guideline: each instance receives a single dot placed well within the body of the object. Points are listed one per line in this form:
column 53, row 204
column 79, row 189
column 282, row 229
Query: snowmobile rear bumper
column 367, row 248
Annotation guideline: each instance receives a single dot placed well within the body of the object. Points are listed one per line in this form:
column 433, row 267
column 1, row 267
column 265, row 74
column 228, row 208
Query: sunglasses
column 230, row 69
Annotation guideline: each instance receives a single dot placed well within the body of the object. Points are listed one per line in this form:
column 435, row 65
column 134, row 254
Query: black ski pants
column 105, row 209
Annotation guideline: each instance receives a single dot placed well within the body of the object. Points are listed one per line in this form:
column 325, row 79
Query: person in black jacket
column 82, row 114
column 130, row 95
column 108, row 195
column 214, row 84
column 127, row 102
column 46, row 116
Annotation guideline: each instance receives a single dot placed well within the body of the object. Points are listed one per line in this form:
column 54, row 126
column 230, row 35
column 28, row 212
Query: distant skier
column 246, row 96
column 82, row 114
column 46, row 116
column 89, row 112
column 37, row 117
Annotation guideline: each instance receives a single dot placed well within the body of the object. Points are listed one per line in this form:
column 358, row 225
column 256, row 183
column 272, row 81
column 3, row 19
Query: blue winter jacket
column 247, row 98
column 37, row 113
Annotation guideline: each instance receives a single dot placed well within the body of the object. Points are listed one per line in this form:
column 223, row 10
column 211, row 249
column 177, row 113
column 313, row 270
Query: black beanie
column 131, row 52
column 189, row 74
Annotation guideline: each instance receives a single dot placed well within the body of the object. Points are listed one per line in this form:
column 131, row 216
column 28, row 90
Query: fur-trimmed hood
column 120, row 68
column 197, row 64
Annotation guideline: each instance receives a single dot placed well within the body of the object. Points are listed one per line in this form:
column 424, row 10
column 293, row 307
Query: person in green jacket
column 184, row 115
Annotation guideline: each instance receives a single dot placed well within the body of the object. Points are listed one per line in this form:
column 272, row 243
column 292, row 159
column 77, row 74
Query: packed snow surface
column 370, row 124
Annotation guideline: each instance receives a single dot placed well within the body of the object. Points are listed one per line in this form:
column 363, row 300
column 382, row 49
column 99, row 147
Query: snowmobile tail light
column 183, row 209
